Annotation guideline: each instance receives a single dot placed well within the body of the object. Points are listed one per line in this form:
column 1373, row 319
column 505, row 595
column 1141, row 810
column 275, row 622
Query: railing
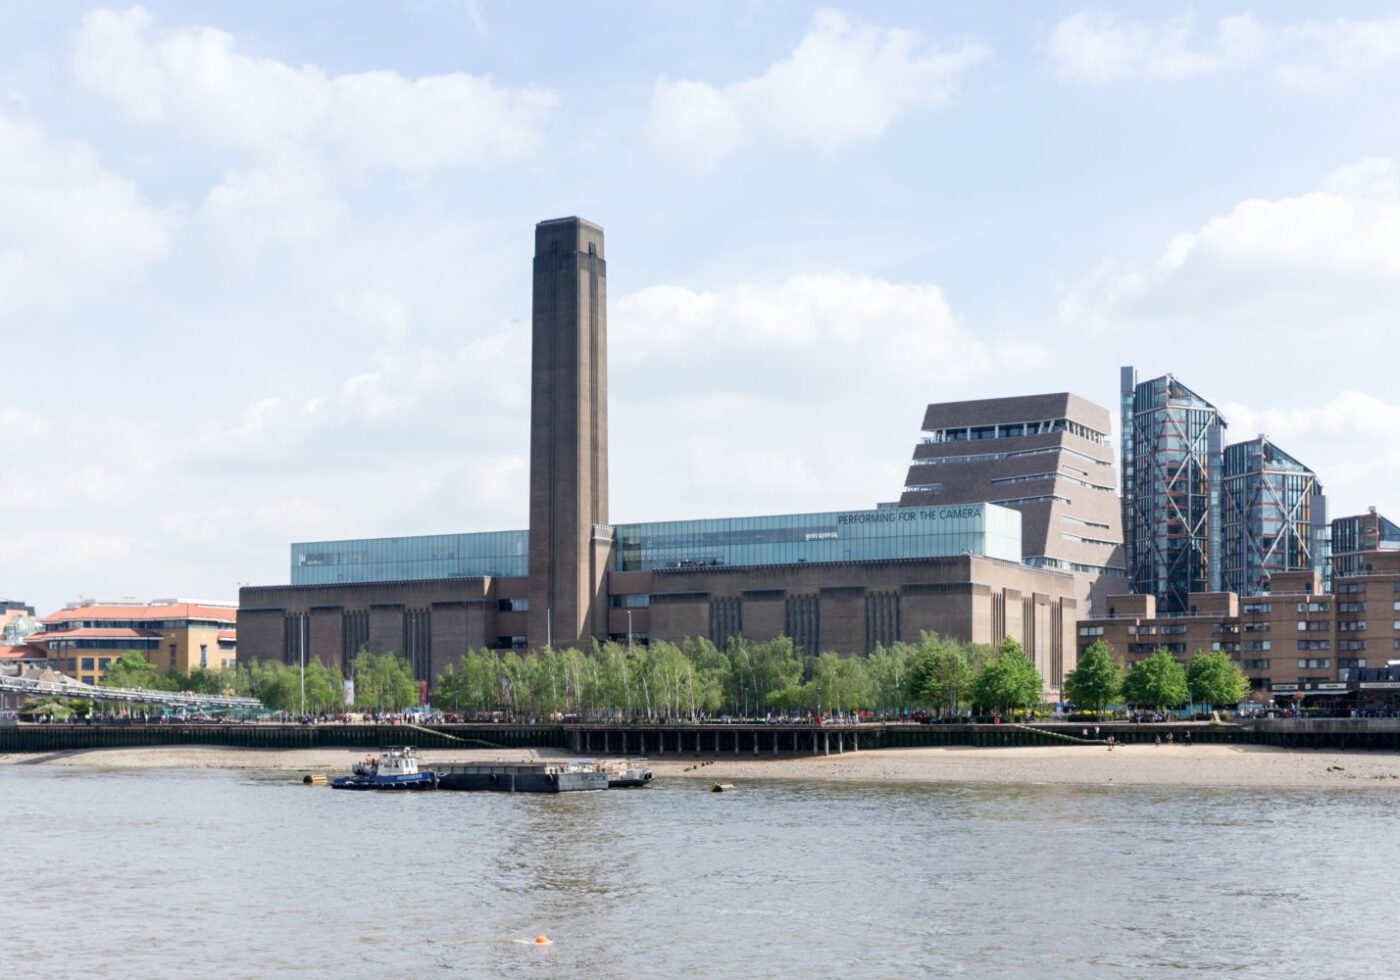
column 126, row 695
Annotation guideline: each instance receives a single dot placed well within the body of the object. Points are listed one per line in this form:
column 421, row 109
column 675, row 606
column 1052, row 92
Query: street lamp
column 629, row 631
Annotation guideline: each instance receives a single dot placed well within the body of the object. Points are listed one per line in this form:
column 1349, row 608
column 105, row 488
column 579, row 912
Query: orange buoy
column 542, row 941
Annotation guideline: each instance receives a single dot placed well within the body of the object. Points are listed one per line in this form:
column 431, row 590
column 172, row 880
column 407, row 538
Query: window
column 203, row 655
column 1314, row 644
column 1257, row 627
column 1257, row 608
column 1351, row 644
column 1091, row 631
column 1395, row 605
column 1254, row 665
column 1257, row 645
column 1351, row 625
column 1174, row 630
column 1350, row 663
column 1313, row 663
column 641, row 601
column 513, row 605
column 87, row 663
column 1355, row 607
column 1307, row 607
column 1314, row 626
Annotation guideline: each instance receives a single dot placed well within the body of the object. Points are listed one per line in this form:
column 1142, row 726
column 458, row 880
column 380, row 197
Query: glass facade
column 1173, row 470
column 863, row 535
column 866, row 535
column 1274, row 516
column 496, row 553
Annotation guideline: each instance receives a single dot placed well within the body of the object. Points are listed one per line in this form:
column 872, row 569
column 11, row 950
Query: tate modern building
column 950, row 558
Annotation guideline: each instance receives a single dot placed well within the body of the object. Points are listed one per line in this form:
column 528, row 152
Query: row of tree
column 1159, row 681
column 694, row 677
column 745, row 678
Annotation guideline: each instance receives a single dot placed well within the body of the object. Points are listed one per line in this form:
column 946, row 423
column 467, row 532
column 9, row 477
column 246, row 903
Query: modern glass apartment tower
column 1172, row 475
column 1274, row 517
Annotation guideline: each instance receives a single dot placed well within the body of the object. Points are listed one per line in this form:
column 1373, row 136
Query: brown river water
column 215, row 873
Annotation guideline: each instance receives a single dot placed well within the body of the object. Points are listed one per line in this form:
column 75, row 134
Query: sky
column 265, row 267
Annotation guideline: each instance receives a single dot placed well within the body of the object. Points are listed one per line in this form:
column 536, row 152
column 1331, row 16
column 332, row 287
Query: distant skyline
column 260, row 261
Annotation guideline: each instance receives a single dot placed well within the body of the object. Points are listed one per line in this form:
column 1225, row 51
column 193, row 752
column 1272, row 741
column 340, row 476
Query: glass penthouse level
column 984, row 530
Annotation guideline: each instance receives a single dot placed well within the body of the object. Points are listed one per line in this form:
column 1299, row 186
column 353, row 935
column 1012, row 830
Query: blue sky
column 264, row 267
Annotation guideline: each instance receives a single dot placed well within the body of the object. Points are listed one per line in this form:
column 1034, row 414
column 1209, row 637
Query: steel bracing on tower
column 1273, row 515
column 1172, row 499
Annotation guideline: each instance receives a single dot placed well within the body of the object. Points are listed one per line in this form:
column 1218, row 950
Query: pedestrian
column 1157, row 740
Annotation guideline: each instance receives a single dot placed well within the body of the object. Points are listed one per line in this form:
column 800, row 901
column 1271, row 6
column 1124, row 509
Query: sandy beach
column 1254, row 767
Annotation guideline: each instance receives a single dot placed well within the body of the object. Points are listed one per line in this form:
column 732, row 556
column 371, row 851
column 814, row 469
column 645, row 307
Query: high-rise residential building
column 1273, row 517
column 1172, row 474
column 1047, row 456
column 1356, row 540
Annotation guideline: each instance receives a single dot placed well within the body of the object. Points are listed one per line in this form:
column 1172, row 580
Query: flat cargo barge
column 521, row 777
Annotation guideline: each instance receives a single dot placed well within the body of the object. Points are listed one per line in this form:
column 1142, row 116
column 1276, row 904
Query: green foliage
column 1158, row 682
column 1096, row 680
column 942, row 673
column 1214, row 679
column 132, row 669
column 1008, row 681
column 383, row 681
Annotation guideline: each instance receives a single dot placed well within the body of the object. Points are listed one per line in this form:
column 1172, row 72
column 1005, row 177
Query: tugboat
column 394, row 769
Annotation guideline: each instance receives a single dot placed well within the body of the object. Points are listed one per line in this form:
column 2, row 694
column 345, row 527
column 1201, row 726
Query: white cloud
column 298, row 135
column 1326, row 262
column 68, row 227
column 803, row 394
column 1096, row 46
column 845, row 82
column 195, row 78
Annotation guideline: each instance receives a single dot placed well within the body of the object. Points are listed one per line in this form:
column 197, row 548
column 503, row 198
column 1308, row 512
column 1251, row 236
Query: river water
column 236, row 874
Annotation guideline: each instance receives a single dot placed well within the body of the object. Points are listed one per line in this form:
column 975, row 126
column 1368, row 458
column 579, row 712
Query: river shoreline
column 1170, row 766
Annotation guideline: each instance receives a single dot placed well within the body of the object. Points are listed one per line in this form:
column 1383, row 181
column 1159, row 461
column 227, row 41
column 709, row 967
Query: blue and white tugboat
column 393, row 769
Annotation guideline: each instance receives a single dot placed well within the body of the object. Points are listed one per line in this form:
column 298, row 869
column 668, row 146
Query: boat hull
column 414, row 783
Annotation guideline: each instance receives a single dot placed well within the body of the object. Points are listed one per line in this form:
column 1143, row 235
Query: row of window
column 1014, row 430
column 1359, row 588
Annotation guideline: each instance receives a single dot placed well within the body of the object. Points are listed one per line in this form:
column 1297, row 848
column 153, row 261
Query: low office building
column 85, row 637
column 1294, row 638
column 841, row 581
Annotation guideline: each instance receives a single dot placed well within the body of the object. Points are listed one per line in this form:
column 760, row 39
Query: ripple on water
column 265, row 876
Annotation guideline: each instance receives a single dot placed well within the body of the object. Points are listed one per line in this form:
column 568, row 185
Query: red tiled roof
column 94, row 633
column 228, row 634
column 21, row 652
column 177, row 610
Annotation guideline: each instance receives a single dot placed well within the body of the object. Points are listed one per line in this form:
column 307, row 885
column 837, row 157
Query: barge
column 522, row 777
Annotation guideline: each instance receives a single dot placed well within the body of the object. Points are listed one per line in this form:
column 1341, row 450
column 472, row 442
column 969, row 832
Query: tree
column 1158, row 682
column 889, row 670
column 1096, row 680
column 132, row 669
column 941, row 675
column 1008, row 681
column 1216, row 680
column 383, row 681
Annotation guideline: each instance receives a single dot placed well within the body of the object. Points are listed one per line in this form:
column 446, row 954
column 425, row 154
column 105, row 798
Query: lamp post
column 629, row 631
column 305, row 625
